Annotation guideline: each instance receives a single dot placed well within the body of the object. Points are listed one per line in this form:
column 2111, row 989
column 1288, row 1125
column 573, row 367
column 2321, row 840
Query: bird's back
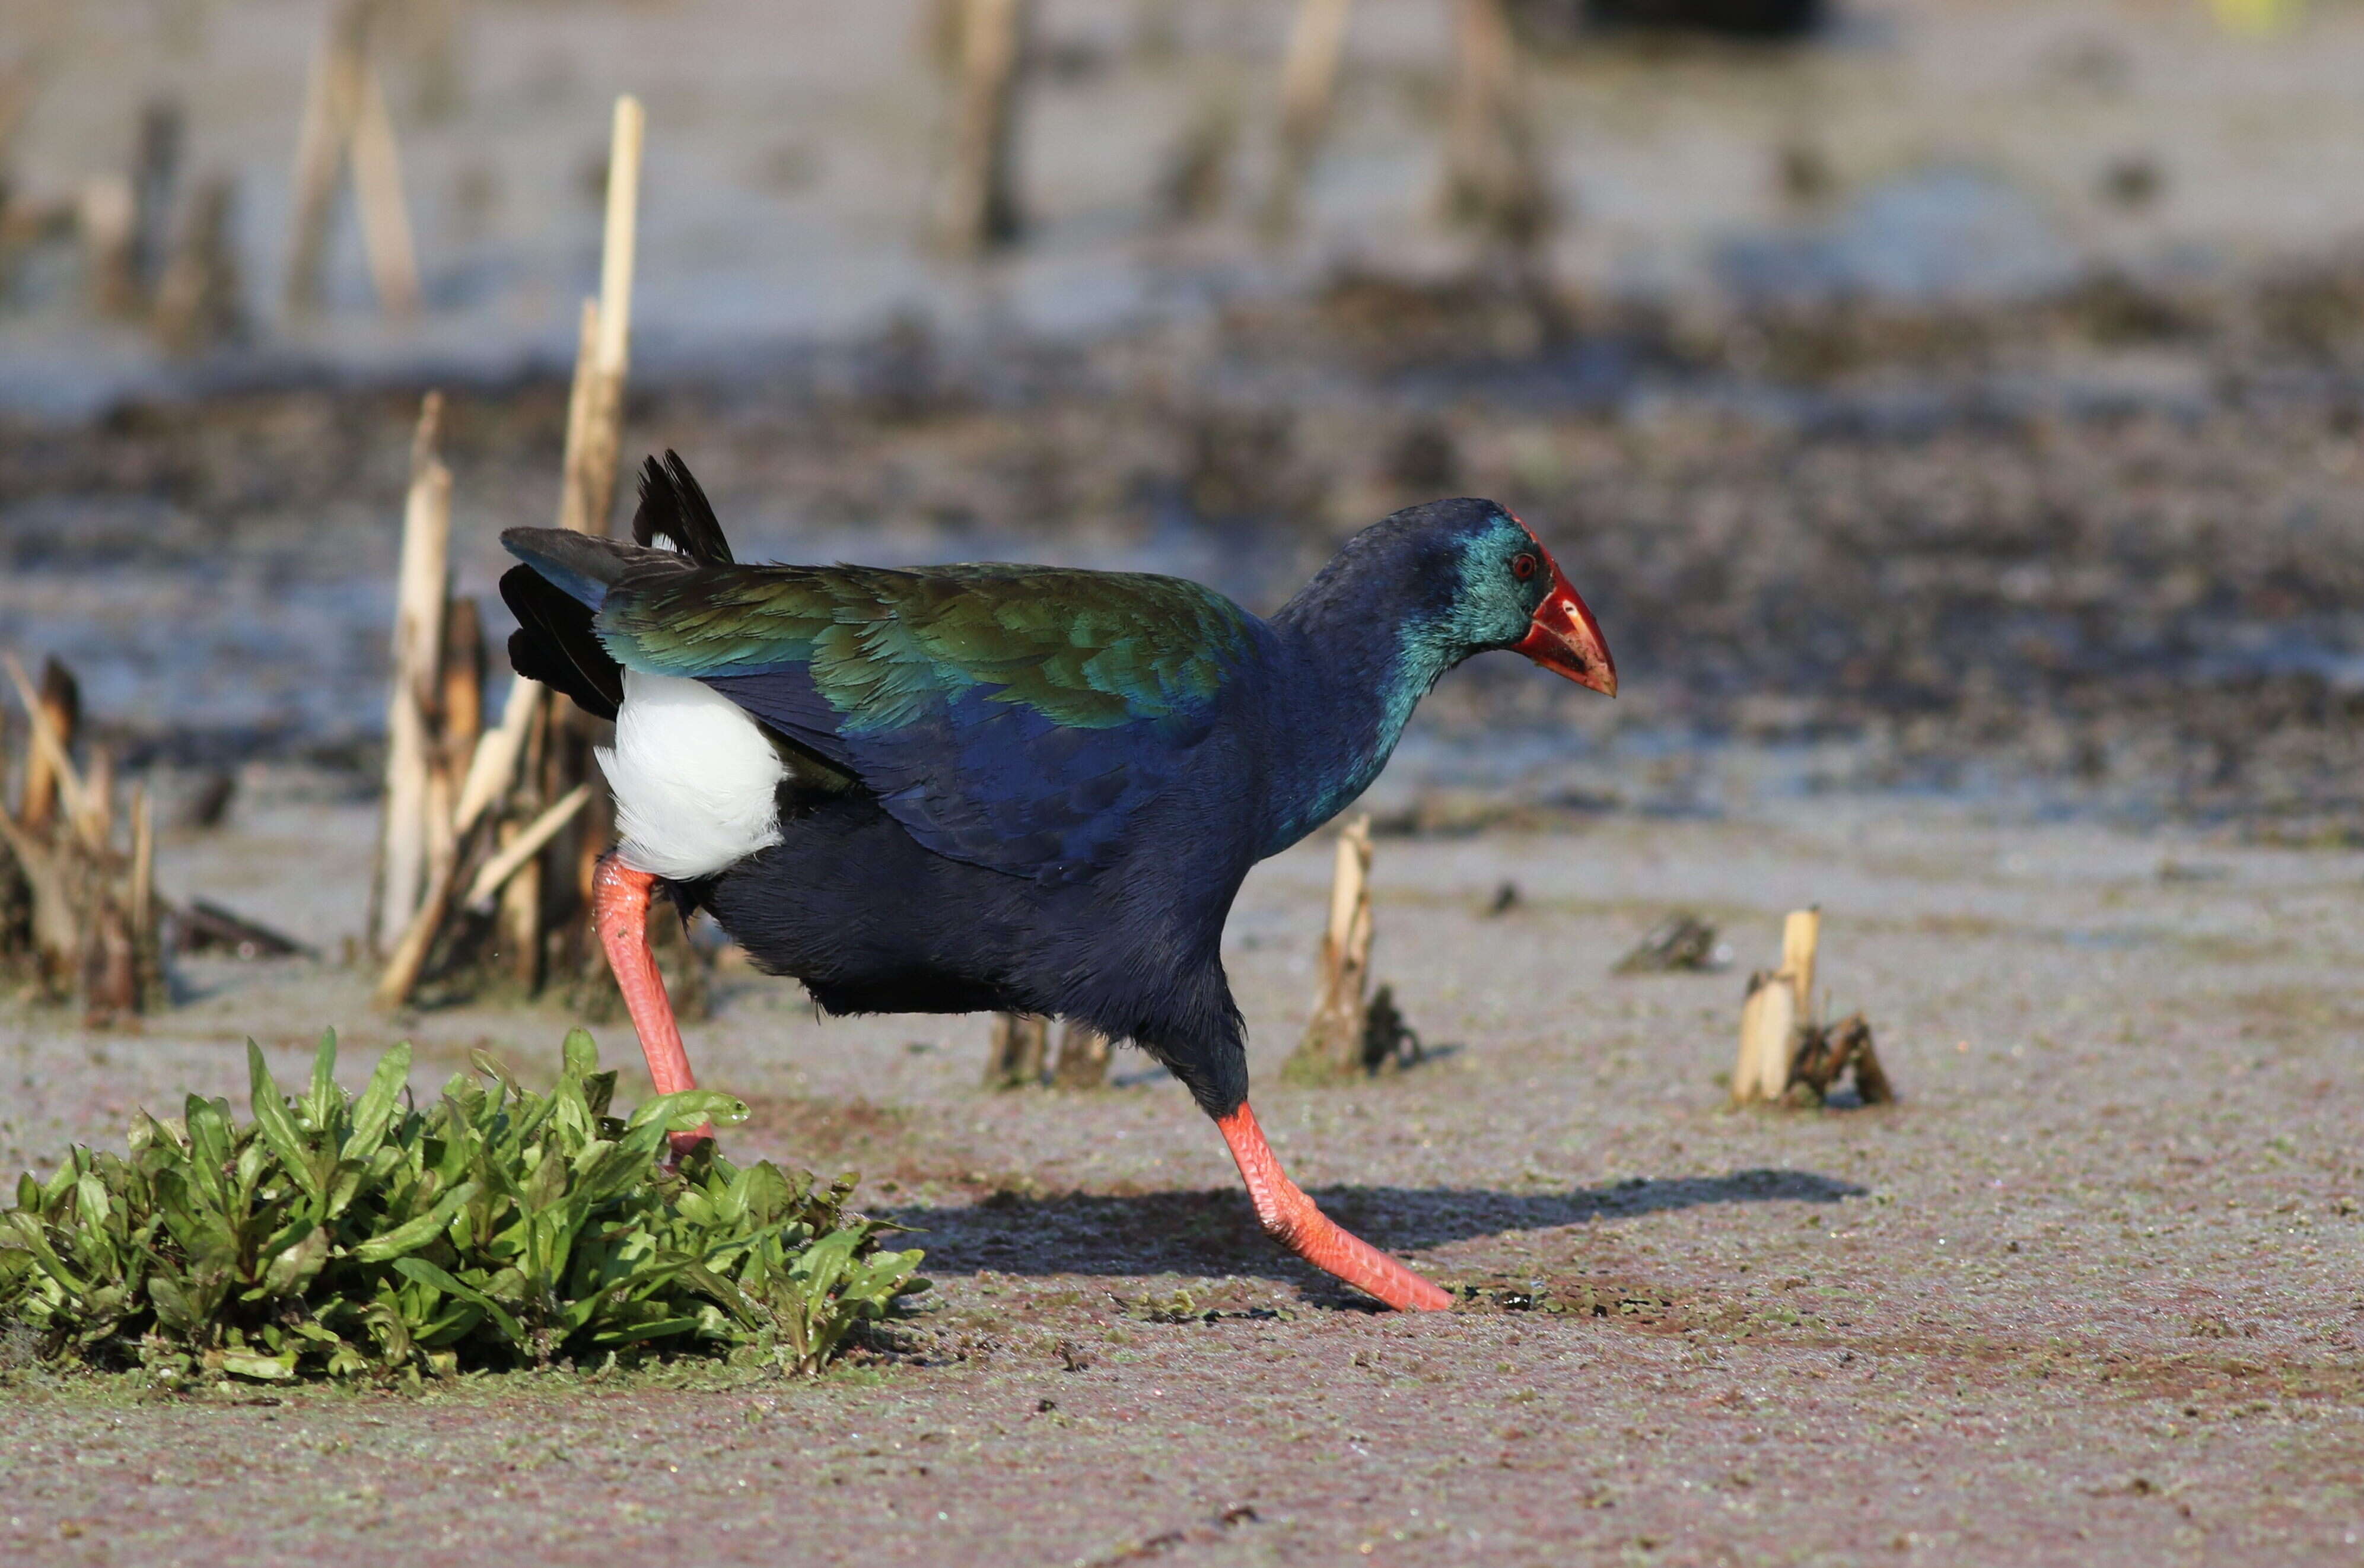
column 1018, row 718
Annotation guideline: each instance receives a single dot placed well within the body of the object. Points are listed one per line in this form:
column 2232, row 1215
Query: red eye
column 1523, row 566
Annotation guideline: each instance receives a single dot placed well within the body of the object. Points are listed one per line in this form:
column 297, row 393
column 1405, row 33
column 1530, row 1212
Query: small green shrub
column 496, row 1228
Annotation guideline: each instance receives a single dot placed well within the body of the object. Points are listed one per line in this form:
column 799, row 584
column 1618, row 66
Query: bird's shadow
column 1213, row 1231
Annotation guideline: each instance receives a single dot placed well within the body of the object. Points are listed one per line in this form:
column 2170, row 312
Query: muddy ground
column 2022, row 630
column 2039, row 681
column 2088, row 1295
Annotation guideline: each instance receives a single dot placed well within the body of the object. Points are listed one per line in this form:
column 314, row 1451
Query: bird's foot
column 1291, row 1218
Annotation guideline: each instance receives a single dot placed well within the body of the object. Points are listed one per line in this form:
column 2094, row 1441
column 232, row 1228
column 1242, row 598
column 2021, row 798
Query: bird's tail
column 557, row 593
column 555, row 642
column 674, row 511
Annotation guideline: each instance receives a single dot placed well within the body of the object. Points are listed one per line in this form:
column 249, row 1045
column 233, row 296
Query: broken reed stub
column 1019, row 1056
column 1681, row 941
column 1779, row 1006
column 1332, row 1046
column 1354, row 1031
column 1768, row 1032
column 1825, row 1053
column 77, row 907
column 1083, row 1058
column 978, row 207
column 1786, row 1057
column 1021, row 1044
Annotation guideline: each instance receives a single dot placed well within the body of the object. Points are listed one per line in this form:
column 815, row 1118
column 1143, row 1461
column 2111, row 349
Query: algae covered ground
column 2093, row 1292
column 1955, row 424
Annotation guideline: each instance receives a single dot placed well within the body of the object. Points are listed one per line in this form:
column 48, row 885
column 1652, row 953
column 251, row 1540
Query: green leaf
column 485, row 1062
column 639, row 1333
column 689, row 1109
column 211, row 1147
column 31, row 1235
column 547, row 1183
column 411, row 1235
column 276, row 1125
column 294, row 1268
column 730, row 1296
column 373, row 1112
column 173, row 1311
column 323, row 1101
column 249, row 1363
column 90, row 1201
column 427, row 1273
column 578, row 1054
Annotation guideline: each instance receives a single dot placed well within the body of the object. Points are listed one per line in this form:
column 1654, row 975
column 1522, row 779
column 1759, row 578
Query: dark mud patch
column 877, row 1141
column 2298, row 1013
column 2149, row 602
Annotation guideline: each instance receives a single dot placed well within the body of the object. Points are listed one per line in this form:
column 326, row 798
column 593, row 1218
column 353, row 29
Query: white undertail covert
column 696, row 780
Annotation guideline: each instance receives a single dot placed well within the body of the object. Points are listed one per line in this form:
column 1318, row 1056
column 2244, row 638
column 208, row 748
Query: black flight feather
column 555, row 596
column 554, row 643
column 674, row 510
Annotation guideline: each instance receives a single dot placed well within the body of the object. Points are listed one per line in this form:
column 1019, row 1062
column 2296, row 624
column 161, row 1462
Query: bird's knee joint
column 1289, row 1227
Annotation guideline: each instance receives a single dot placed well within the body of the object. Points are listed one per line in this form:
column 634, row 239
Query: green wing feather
column 1087, row 650
column 1016, row 717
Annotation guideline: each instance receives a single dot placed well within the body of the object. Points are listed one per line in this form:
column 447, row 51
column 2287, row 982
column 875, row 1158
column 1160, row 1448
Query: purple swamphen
column 963, row 788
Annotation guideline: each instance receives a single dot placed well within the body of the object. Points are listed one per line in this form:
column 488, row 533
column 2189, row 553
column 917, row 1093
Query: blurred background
column 1943, row 396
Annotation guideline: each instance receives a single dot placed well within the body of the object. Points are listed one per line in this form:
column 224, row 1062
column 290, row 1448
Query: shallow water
column 1970, row 149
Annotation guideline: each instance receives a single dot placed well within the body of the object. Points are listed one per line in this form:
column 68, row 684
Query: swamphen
column 961, row 788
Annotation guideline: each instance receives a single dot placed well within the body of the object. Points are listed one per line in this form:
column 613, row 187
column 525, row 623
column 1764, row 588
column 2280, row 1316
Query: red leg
column 1290, row 1218
column 619, row 906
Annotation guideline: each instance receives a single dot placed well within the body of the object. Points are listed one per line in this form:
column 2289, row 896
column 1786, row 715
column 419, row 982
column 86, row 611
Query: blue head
column 1449, row 579
column 1407, row 599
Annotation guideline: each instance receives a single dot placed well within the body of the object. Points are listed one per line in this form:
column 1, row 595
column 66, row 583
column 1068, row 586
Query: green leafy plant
column 356, row 1237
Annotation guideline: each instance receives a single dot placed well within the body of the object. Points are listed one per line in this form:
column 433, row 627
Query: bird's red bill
column 1565, row 638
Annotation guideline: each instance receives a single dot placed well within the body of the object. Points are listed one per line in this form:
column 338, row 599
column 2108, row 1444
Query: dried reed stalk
column 106, row 220
column 345, row 120
column 95, row 823
column 561, row 886
column 1776, row 1018
column 143, row 863
column 1826, row 1053
column 421, row 589
column 1084, row 1056
column 596, row 404
column 377, row 190
column 1334, row 1039
column 55, row 926
column 197, row 296
column 155, row 172
column 90, row 927
column 525, row 726
column 522, row 847
column 978, row 208
column 1309, row 79
column 493, row 767
column 54, row 713
column 1021, row 1042
column 1493, row 179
